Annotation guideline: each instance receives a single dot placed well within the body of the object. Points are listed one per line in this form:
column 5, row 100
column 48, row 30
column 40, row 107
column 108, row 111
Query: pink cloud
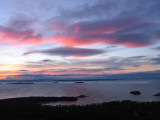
column 84, row 33
column 19, row 37
column 103, row 32
column 127, row 40
column 72, row 40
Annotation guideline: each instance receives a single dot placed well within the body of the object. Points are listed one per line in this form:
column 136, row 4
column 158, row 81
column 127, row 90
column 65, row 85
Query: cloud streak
column 117, row 64
column 68, row 51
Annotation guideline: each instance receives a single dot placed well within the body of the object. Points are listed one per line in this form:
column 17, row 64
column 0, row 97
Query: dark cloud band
column 68, row 51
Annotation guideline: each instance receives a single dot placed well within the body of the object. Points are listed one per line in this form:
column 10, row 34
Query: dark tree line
column 30, row 109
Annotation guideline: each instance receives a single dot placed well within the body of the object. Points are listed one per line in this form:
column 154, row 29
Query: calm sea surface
column 97, row 91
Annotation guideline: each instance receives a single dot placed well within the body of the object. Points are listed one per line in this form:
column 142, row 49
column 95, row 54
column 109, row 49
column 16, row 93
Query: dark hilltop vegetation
column 30, row 108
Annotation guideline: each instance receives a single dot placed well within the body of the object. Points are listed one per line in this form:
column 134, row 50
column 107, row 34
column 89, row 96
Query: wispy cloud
column 23, row 70
column 103, row 65
column 156, row 48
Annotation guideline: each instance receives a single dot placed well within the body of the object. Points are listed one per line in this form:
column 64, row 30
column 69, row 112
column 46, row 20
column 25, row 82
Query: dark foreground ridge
column 30, row 109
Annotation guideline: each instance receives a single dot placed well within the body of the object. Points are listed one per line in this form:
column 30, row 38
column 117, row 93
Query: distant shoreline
column 60, row 80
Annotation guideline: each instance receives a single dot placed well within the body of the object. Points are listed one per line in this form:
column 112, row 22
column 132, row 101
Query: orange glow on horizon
column 92, row 70
column 3, row 77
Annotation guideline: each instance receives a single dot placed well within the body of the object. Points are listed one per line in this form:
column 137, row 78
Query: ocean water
column 97, row 91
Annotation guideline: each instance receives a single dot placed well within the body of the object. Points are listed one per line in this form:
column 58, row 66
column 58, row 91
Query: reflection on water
column 98, row 91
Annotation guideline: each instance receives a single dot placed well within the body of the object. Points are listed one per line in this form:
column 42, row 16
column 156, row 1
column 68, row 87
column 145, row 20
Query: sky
column 57, row 37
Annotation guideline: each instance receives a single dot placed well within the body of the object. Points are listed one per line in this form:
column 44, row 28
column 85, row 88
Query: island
column 82, row 96
column 79, row 82
column 157, row 94
column 135, row 92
